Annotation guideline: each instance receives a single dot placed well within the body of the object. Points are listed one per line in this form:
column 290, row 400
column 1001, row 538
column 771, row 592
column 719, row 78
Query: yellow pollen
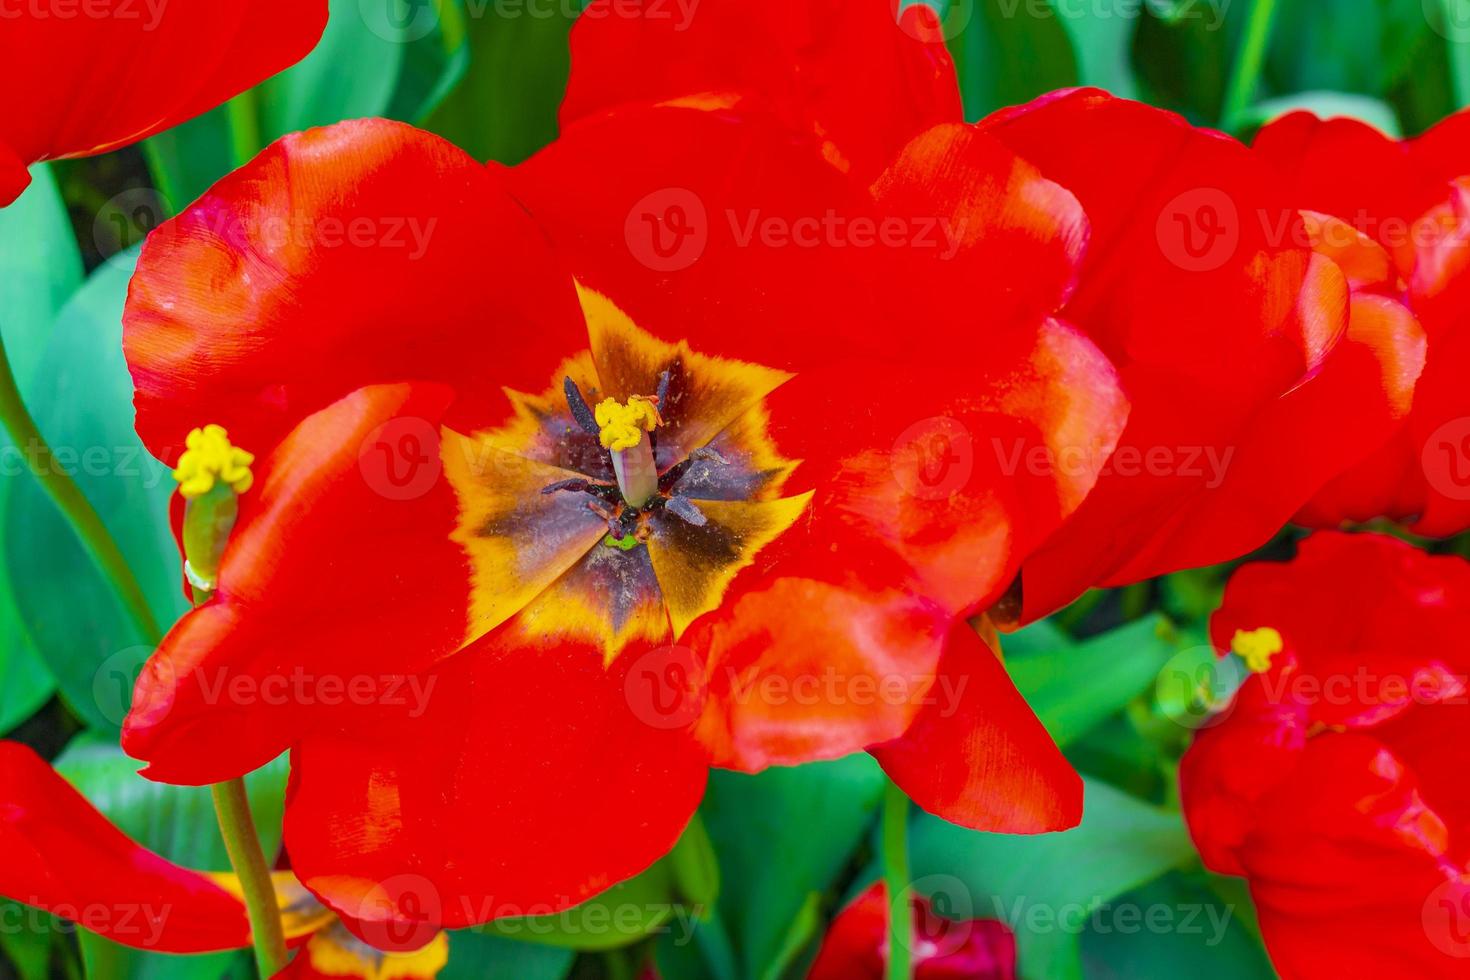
column 209, row 456
column 621, row 426
column 1257, row 647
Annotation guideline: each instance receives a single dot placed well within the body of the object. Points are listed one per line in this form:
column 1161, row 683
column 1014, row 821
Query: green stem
column 1250, row 58
column 244, row 116
column 72, row 503
column 894, row 848
column 237, row 827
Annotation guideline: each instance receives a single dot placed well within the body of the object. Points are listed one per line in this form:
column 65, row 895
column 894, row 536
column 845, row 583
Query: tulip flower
column 66, row 858
column 516, row 567
column 102, row 76
column 1199, row 278
column 1334, row 783
column 1412, row 198
column 942, row 949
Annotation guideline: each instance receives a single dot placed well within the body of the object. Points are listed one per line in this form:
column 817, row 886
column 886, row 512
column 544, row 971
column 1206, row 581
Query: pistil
column 623, row 430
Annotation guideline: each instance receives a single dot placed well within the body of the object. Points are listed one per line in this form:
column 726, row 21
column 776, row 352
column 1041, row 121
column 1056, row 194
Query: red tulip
column 856, row 945
column 1228, row 322
column 1413, row 198
column 63, row 856
column 505, row 640
column 85, row 78
column 1335, row 785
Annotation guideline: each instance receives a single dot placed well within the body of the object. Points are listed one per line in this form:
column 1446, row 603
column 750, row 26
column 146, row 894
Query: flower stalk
column 894, row 848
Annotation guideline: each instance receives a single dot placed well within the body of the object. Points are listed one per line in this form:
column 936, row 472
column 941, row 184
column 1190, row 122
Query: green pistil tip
column 628, row 543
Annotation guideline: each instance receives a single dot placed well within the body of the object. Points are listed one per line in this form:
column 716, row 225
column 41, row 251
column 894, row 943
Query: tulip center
column 625, row 522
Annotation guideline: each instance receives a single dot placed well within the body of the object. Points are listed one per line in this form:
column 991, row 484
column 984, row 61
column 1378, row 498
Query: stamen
column 209, row 457
column 684, row 509
column 622, row 426
column 1257, row 647
column 580, row 410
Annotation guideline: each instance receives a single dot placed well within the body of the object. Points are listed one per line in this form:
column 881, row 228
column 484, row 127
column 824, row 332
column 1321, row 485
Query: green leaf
column 624, row 914
column 1045, row 887
column 1174, row 927
column 177, row 822
column 1102, row 37
column 695, row 866
column 81, row 398
column 505, row 108
column 25, row 939
column 1009, row 52
column 40, row 269
column 1183, row 52
column 352, row 73
column 782, row 837
column 1074, row 687
column 1361, row 46
column 476, row 956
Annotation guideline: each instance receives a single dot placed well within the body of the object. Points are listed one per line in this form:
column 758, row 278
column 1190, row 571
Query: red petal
column 977, row 756
column 855, row 947
column 858, row 77
column 1208, row 321
column 521, row 779
column 63, row 856
column 1009, row 244
column 336, row 575
column 83, row 84
column 1348, row 869
column 716, row 227
column 340, row 257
